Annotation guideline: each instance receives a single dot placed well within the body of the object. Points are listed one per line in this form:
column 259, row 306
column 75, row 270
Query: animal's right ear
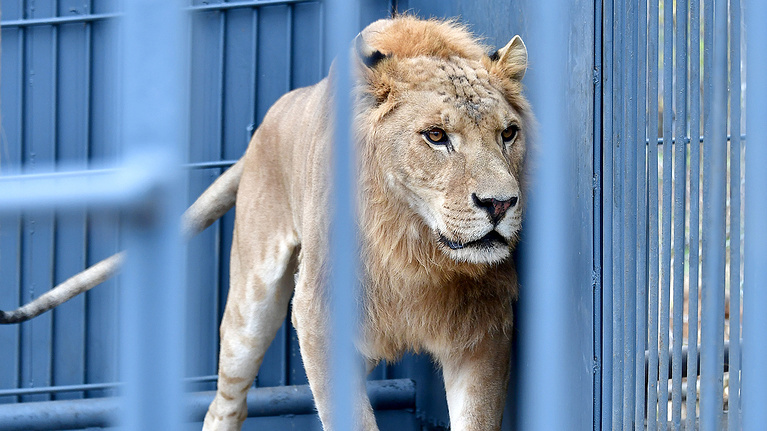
column 512, row 58
column 367, row 55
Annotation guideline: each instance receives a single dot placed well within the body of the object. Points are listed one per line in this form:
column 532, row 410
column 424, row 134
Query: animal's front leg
column 312, row 321
column 475, row 382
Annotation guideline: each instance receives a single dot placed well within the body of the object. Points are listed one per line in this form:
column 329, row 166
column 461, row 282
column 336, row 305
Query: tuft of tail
column 214, row 202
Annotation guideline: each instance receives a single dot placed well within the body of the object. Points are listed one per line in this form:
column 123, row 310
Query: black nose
column 495, row 208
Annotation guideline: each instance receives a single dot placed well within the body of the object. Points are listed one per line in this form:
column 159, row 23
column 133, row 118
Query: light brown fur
column 426, row 284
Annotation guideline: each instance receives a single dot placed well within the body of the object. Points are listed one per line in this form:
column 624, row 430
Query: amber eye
column 509, row 133
column 436, row 136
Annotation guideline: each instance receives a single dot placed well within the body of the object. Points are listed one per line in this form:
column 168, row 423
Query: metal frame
column 632, row 344
column 641, row 299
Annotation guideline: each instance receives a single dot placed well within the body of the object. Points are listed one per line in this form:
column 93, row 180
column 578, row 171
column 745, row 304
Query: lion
column 440, row 131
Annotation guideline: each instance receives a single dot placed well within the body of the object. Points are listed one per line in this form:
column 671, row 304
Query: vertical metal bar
column 668, row 77
column 755, row 277
column 598, row 244
column 629, row 213
column 640, row 147
column 608, row 287
column 342, row 18
column 223, row 285
column 680, row 188
column 733, row 419
column 547, row 344
column 694, row 218
column 154, row 127
column 714, row 159
column 618, row 223
column 289, row 65
column 653, row 216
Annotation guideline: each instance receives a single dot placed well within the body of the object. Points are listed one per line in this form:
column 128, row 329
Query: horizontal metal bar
column 209, row 165
column 87, row 387
column 57, row 389
column 105, row 188
column 244, row 4
column 56, row 20
column 687, row 139
column 395, row 394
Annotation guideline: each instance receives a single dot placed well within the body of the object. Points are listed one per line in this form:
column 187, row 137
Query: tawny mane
column 408, row 37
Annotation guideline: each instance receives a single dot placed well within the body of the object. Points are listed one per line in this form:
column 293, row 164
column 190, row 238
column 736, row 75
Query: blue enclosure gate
column 642, row 262
column 680, row 338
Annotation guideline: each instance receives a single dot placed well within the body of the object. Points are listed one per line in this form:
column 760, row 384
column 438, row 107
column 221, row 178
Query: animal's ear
column 512, row 58
column 367, row 55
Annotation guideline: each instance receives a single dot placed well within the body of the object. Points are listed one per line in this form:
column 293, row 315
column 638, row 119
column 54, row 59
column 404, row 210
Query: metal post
column 641, row 250
column 680, row 175
column 665, row 292
column 618, row 228
column 154, row 127
column 692, row 306
column 342, row 17
column 608, row 287
column 550, row 376
column 630, row 65
column 755, row 277
column 733, row 418
column 652, row 181
column 714, row 159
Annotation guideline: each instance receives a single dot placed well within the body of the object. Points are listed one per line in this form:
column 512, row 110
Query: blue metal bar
column 714, row 180
column 244, row 4
column 687, row 139
column 608, row 287
column 58, row 20
column 755, row 277
column 73, row 190
column 547, row 347
column 342, row 19
column 653, row 218
column 209, row 165
column 262, row 402
column 598, row 242
column 618, row 141
column 89, row 387
column 680, row 188
column 630, row 65
column 152, row 353
column 694, row 217
column 642, row 215
column 733, row 418
column 665, row 297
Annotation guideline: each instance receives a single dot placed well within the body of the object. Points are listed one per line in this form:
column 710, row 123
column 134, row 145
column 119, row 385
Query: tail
column 214, row 202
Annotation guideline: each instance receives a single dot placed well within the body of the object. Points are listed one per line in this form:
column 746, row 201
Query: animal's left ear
column 512, row 58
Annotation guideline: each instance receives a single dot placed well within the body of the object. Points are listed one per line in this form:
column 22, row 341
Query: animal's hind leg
column 261, row 287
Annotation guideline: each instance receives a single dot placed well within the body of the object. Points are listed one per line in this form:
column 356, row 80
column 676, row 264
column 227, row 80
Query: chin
column 479, row 254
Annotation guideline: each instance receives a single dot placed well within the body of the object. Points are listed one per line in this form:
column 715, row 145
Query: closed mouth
column 490, row 240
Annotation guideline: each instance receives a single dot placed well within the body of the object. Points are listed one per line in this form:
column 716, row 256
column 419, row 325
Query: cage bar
column 754, row 395
column 630, row 65
column 654, row 219
column 342, row 18
column 680, row 174
column 733, row 417
column 714, row 159
column 617, row 141
column 694, row 217
column 608, row 196
column 549, row 375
